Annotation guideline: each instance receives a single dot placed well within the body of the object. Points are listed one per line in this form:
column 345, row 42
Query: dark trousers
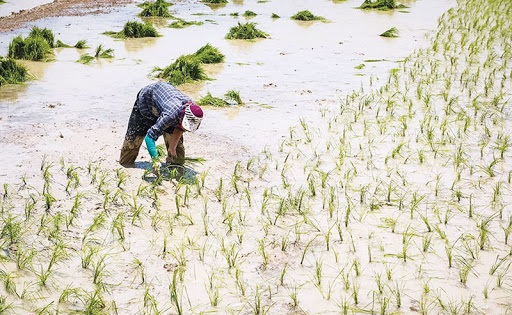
column 138, row 127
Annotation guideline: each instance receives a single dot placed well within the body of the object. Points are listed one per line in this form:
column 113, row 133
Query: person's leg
column 138, row 126
column 179, row 159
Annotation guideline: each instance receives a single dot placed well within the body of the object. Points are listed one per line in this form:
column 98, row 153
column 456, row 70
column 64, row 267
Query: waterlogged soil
column 75, row 115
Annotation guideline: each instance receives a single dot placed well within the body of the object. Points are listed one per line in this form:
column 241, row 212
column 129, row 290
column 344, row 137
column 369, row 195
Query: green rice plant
column 263, row 252
column 61, row 44
column 81, row 44
column 391, row 33
column 305, row 15
column 294, row 295
column 215, row 1
column 98, row 270
column 186, row 68
column 484, row 232
column 12, row 230
column 42, row 276
column 275, row 16
column 176, row 297
column 12, row 72
column 249, row 13
column 59, row 253
column 230, row 253
column 380, row 5
column 24, row 257
column 245, row 31
column 44, row 33
column 31, row 48
column 209, row 100
column 180, row 23
column 94, row 302
column 157, row 8
column 209, row 54
column 134, row 29
column 9, row 284
column 234, row 96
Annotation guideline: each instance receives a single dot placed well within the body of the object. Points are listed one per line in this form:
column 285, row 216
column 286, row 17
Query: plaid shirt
column 163, row 102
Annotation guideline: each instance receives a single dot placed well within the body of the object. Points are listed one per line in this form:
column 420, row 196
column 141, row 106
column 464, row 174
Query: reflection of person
column 160, row 109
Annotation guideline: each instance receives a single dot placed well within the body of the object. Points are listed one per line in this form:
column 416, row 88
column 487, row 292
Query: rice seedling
column 100, row 52
column 134, row 29
column 176, row 294
column 245, row 31
column 249, row 13
column 81, row 44
column 186, row 68
column 158, row 8
column 391, row 33
column 12, row 72
column 209, row 100
column 215, row 1
column 180, row 23
column 305, row 15
column 234, row 96
column 383, row 5
column 31, row 48
column 275, row 16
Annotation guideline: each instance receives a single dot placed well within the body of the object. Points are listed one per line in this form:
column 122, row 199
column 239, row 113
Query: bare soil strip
column 59, row 8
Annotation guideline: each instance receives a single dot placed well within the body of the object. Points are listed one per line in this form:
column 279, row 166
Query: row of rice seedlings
column 134, row 29
column 12, row 72
column 188, row 68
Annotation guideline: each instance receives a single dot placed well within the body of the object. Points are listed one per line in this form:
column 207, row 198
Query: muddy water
column 300, row 68
column 13, row 6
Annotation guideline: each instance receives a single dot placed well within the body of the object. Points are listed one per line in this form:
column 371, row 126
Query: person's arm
column 151, row 146
column 175, row 138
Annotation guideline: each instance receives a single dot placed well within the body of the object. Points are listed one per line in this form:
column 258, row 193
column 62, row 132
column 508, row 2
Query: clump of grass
column 180, row 23
column 306, row 16
column 381, row 5
column 188, row 67
column 392, row 33
column 35, row 47
column 12, row 72
column 100, row 52
column 209, row 100
column 234, row 96
column 81, row 44
column 185, row 69
column 44, row 33
column 275, row 16
column 245, row 31
column 158, row 8
column 215, row 1
column 209, row 54
column 134, row 29
column 249, row 13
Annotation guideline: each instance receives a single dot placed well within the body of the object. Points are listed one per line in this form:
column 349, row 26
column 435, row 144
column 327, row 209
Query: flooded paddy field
column 363, row 174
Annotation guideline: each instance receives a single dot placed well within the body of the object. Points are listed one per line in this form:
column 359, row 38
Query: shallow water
column 301, row 68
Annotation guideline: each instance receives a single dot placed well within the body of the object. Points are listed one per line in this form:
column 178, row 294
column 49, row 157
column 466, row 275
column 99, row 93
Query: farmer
column 160, row 109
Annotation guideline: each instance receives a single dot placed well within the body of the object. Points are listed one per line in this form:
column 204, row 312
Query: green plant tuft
column 249, row 13
column 383, row 5
column 275, row 16
column 12, row 72
column 44, row 33
column 60, row 44
column 209, row 54
column 185, row 69
column 31, row 48
column 209, row 100
column 306, row 16
column 179, row 23
column 233, row 96
column 245, row 31
column 392, row 32
column 135, row 29
column 158, row 8
column 215, row 1
column 81, row 44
